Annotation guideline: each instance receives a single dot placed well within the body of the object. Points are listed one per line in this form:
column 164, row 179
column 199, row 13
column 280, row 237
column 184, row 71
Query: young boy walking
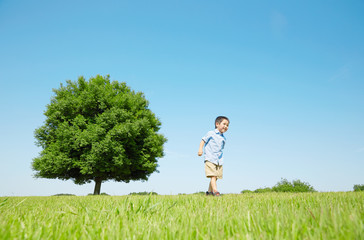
column 214, row 142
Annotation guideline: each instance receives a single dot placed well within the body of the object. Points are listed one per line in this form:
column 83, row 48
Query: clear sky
column 288, row 74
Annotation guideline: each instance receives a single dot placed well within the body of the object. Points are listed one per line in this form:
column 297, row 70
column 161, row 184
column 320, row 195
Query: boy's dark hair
column 219, row 119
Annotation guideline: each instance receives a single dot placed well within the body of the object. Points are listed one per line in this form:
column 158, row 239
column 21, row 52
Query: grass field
column 244, row 216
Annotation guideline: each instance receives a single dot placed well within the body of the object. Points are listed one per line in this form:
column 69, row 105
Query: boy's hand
column 200, row 153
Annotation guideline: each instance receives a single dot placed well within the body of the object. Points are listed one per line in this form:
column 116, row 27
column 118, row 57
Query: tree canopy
column 98, row 130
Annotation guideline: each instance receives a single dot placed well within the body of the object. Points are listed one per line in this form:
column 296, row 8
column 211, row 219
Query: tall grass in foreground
column 247, row 216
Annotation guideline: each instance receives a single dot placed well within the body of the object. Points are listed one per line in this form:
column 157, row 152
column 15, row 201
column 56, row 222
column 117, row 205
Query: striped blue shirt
column 214, row 144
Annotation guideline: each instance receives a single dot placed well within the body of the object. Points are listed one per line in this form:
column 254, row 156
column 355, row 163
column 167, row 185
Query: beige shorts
column 213, row 170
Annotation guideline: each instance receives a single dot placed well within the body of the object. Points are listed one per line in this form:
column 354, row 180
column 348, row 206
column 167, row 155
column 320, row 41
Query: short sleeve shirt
column 214, row 144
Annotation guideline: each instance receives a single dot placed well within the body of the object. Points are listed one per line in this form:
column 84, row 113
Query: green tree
column 358, row 187
column 296, row 186
column 98, row 130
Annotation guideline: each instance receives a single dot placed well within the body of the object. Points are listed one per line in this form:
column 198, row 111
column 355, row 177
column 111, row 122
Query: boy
column 214, row 142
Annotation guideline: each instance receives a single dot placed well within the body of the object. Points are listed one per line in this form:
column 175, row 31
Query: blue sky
column 288, row 74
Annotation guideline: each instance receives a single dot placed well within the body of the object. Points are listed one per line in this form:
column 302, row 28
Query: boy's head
column 222, row 123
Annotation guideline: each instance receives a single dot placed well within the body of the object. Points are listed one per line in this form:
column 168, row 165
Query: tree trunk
column 98, row 182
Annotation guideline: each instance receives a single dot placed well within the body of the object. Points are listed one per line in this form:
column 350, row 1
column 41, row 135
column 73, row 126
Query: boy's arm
column 200, row 150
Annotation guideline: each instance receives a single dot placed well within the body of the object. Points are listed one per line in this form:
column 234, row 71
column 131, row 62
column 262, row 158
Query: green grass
column 247, row 216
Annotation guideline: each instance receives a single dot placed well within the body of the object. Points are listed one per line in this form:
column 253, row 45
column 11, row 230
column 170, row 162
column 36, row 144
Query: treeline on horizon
column 296, row 186
column 285, row 186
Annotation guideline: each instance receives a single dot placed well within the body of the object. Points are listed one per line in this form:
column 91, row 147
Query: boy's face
column 223, row 126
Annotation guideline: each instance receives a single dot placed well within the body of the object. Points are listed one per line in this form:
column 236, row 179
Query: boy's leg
column 210, row 188
column 213, row 185
column 213, row 171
